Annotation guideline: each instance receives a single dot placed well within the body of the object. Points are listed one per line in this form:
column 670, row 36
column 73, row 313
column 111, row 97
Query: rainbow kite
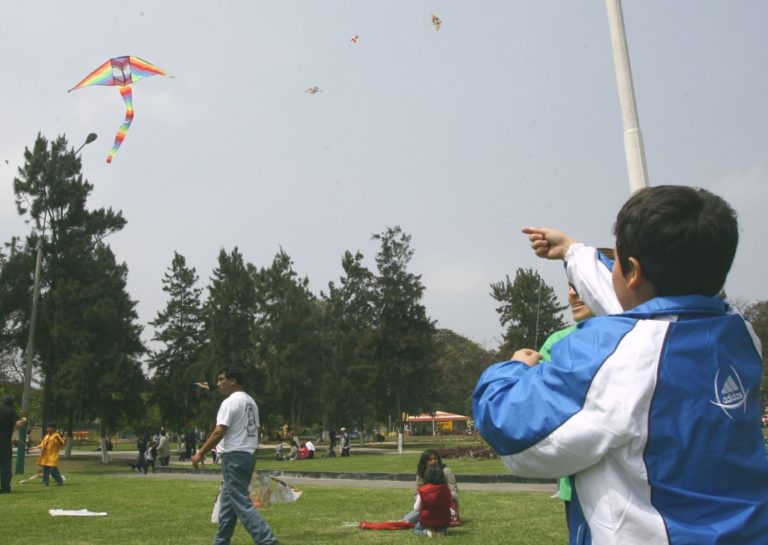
column 121, row 72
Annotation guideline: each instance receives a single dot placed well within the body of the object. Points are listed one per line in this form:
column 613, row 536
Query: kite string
column 125, row 92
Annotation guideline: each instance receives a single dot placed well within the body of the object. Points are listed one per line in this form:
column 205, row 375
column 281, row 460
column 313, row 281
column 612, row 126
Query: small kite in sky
column 354, row 39
column 121, row 72
column 436, row 21
column 314, row 90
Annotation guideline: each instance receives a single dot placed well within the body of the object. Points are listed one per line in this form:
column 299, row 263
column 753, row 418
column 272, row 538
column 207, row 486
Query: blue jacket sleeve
column 516, row 406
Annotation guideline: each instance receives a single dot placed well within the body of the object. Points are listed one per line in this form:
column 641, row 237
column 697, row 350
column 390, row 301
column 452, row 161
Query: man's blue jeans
column 237, row 470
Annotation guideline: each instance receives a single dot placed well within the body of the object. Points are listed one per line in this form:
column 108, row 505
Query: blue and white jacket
column 656, row 414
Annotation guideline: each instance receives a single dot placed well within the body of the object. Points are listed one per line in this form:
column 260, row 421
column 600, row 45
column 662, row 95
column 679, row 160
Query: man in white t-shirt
column 236, row 438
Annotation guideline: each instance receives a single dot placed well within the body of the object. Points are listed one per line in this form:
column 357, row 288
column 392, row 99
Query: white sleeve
column 225, row 414
column 592, row 280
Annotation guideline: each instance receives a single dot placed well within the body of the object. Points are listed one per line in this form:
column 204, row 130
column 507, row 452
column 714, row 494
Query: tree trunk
column 70, row 426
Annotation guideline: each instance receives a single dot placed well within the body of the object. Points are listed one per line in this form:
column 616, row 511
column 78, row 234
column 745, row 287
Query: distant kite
column 436, row 21
column 121, row 72
column 354, row 39
column 314, row 90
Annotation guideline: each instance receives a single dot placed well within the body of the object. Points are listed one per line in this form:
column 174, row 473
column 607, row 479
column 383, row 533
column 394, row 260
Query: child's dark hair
column 684, row 239
column 434, row 475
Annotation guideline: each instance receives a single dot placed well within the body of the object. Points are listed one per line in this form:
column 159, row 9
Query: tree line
column 362, row 351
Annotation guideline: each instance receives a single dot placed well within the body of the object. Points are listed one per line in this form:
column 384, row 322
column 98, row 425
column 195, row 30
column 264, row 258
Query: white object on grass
column 75, row 513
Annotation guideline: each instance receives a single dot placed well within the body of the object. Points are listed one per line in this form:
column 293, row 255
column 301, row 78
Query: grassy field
column 379, row 463
column 384, row 462
column 145, row 510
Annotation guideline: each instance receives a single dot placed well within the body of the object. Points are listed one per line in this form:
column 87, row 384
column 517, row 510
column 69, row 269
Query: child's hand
column 549, row 243
column 527, row 356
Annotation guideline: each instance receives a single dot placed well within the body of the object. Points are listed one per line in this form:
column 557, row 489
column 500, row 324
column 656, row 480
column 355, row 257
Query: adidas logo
column 731, row 391
column 730, row 395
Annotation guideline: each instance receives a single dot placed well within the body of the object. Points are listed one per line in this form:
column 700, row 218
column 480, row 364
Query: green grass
column 377, row 463
column 384, row 462
column 146, row 510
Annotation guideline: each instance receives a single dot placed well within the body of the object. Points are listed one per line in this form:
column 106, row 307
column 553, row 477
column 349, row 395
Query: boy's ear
column 638, row 283
column 634, row 275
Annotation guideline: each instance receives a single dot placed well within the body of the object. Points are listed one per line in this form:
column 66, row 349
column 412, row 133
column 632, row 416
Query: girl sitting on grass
column 429, row 458
column 433, row 504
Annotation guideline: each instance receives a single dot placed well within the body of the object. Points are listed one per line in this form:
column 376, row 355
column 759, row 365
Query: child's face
column 578, row 308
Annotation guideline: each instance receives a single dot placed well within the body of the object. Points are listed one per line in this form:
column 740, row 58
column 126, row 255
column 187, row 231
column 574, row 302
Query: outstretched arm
column 549, row 243
column 590, row 275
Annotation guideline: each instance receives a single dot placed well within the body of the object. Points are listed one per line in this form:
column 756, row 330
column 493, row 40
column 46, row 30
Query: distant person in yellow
column 50, row 447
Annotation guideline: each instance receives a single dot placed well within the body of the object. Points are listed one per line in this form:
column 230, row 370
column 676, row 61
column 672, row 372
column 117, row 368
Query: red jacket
column 435, row 506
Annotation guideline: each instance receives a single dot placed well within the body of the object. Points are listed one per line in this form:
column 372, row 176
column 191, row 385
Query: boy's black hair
column 434, row 475
column 232, row 373
column 685, row 238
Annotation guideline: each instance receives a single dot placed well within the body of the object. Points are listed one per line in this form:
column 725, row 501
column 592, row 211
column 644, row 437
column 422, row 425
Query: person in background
column 150, row 457
column 279, row 451
column 430, row 458
column 433, row 503
column 310, row 448
column 9, row 422
column 164, row 448
column 189, row 444
column 50, row 447
column 293, row 454
column 141, row 447
column 344, row 442
column 303, row 451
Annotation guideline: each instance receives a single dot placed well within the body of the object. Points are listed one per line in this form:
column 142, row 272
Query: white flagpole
column 633, row 138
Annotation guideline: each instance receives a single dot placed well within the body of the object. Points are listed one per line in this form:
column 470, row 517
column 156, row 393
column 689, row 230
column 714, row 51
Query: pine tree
column 86, row 322
column 229, row 314
column 289, row 338
column 178, row 328
column 529, row 310
column 349, row 377
column 404, row 333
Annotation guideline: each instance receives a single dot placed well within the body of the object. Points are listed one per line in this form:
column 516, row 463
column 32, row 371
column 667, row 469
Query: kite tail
column 123, row 130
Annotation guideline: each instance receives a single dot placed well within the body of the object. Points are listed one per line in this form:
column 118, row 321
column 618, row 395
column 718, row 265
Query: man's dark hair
column 8, row 400
column 232, row 373
column 684, row 238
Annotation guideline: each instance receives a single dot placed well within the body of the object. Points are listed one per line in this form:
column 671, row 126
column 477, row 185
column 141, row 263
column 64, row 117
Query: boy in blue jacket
column 654, row 410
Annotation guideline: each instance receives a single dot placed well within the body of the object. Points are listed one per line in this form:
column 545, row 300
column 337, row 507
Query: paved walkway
column 348, row 483
column 343, row 480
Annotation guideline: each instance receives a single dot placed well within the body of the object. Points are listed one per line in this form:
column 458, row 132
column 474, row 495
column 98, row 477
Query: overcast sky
column 508, row 116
